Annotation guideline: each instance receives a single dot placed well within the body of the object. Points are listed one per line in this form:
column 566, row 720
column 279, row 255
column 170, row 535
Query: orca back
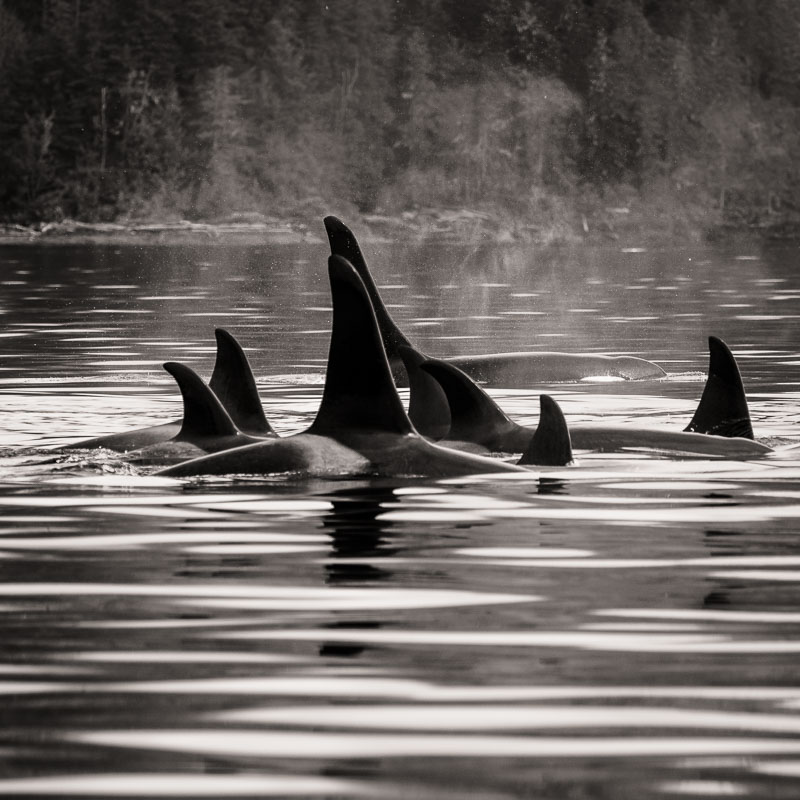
column 723, row 409
column 344, row 243
column 233, row 383
column 359, row 394
column 550, row 445
column 474, row 416
column 428, row 408
column 203, row 415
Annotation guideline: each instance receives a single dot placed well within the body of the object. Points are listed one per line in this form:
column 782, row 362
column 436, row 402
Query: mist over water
column 624, row 628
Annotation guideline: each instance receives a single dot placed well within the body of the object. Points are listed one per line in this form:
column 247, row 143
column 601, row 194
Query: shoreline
column 447, row 226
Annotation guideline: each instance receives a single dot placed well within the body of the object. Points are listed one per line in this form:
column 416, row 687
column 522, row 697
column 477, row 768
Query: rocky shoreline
column 614, row 225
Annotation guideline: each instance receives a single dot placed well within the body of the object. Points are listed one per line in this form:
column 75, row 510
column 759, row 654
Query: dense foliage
column 542, row 109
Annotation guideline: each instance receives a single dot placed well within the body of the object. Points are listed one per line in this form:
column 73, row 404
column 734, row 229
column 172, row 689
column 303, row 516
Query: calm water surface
column 625, row 628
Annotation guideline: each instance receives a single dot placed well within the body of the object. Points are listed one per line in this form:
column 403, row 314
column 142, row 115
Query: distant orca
column 361, row 427
column 495, row 369
column 475, row 418
column 206, row 426
column 232, row 381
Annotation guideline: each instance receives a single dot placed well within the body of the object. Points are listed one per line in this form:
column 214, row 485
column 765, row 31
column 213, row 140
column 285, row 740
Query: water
column 625, row 628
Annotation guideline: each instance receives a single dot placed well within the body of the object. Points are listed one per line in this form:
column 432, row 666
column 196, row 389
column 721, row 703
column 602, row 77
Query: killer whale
column 476, row 419
column 494, row 369
column 551, row 444
column 231, row 381
column 361, row 427
column 723, row 409
column 206, row 427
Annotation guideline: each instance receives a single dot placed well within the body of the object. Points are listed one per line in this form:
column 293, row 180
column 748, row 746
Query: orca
column 550, row 445
column 231, row 380
column 723, row 407
column 475, row 418
column 475, row 427
column 361, row 427
column 494, row 369
column 206, row 426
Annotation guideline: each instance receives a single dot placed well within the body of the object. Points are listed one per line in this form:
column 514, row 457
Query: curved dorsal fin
column 428, row 408
column 344, row 243
column 233, row 383
column 722, row 410
column 359, row 393
column 474, row 416
column 551, row 445
column 203, row 414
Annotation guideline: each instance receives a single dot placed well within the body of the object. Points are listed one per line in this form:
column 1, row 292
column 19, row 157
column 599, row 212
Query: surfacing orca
column 361, row 427
column 723, row 407
column 495, row 369
column 550, row 445
column 232, row 381
column 474, row 426
column 206, row 426
column 477, row 419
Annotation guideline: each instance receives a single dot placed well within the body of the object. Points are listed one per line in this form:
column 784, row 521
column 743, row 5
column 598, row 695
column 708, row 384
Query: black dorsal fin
column 474, row 416
column 427, row 407
column 344, row 243
column 203, row 414
column 551, row 445
column 359, row 394
column 722, row 410
column 233, row 383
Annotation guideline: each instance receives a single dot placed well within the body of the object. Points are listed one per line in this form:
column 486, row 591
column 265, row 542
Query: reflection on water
column 625, row 628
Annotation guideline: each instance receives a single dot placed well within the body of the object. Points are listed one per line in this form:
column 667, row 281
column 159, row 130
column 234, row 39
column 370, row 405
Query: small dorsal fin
column 722, row 410
column 233, row 383
column 551, row 445
column 203, row 414
column 344, row 243
column 474, row 416
column 359, row 393
column 427, row 407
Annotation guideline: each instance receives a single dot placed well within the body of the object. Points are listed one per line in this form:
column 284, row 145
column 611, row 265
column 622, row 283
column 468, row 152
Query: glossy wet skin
column 523, row 369
column 360, row 412
column 626, row 628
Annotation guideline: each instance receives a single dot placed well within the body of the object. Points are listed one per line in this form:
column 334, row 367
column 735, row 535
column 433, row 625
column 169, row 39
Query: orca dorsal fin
column 203, row 414
column 359, row 394
column 722, row 410
column 551, row 445
column 344, row 243
column 233, row 383
column 474, row 416
column 428, row 408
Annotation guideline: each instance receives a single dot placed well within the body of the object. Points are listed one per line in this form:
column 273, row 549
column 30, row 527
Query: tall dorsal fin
column 551, row 445
column 233, row 383
column 723, row 407
column 203, row 414
column 474, row 416
column 359, row 394
column 344, row 243
column 428, row 407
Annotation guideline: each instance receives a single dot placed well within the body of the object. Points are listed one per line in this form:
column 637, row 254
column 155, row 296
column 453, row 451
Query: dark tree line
column 538, row 109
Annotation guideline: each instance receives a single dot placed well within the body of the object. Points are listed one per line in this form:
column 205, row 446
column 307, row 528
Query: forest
column 558, row 117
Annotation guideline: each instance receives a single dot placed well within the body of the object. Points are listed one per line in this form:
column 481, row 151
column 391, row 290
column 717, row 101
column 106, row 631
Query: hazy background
column 546, row 118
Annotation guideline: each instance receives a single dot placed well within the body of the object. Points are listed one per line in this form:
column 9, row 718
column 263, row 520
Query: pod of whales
column 361, row 427
column 494, row 369
column 474, row 418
